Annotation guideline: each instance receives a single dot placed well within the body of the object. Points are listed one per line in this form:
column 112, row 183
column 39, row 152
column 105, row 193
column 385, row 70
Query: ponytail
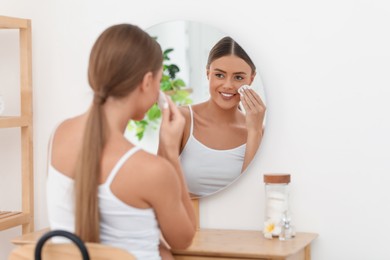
column 87, row 175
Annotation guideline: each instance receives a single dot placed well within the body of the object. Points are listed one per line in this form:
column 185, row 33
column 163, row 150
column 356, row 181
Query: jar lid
column 277, row 178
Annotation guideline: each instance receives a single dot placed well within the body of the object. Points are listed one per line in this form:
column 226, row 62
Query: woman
column 101, row 186
column 219, row 139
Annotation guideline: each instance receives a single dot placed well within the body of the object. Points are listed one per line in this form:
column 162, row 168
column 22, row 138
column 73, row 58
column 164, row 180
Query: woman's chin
column 137, row 117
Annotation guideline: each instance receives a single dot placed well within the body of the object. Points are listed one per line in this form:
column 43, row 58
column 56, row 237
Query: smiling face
column 226, row 75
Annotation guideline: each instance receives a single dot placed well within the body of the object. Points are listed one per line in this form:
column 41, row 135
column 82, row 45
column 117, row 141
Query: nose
column 230, row 84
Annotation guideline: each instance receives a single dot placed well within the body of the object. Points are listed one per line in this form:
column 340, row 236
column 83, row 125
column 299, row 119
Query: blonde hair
column 119, row 59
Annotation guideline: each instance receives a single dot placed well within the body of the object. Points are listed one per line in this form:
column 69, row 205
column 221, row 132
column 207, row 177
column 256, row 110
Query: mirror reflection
column 205, row 69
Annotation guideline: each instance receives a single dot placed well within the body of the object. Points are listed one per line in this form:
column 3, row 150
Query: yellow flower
column 271, row 228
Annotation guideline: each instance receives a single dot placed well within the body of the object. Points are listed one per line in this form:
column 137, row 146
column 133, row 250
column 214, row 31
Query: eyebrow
column 235, row 73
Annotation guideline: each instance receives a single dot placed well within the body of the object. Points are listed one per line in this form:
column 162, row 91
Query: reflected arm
column 252, row 144
column 254, row 117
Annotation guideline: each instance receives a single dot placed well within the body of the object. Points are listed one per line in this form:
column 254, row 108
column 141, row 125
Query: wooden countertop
column 244, row 244
column 227, row 244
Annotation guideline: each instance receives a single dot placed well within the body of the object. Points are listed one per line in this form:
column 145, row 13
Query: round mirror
column 216, row 147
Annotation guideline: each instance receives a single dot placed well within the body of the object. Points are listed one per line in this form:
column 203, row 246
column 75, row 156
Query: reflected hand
column 255, row 110
column 172, row 126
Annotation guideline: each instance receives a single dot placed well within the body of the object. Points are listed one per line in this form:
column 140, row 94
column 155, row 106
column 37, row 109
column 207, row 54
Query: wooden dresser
column 245, row 244
column 228, row 245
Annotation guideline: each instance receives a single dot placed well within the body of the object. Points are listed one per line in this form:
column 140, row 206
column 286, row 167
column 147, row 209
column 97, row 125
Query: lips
column 227, row 96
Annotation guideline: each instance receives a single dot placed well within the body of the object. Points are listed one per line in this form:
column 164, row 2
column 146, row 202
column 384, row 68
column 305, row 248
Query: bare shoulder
column 143, row 178
column 66, row 143
column 185, row 111
column 200, row 109
column 68, row 127
column 151, row 170
column 151, row 162
column 69, row 134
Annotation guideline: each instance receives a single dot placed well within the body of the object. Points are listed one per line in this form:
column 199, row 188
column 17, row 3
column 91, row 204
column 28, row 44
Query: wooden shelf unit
column 25, row 218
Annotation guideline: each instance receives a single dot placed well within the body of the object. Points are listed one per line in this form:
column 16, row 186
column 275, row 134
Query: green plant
column 173, row 87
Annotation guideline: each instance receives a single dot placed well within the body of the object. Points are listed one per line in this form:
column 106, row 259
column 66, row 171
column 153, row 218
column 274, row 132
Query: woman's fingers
column 166, row 112
column 172, row 119
column 251, row 100
column 254, row 96
column 254, row 108
column 171, row 130
column 173, row 109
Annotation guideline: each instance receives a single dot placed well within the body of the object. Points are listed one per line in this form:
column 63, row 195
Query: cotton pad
column 241, row 89
column 162, row 101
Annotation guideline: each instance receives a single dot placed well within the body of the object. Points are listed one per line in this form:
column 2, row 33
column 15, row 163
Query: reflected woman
column 220, row 138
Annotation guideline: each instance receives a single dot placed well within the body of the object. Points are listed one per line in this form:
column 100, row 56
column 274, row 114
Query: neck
column 116, row 119
column 221, row 115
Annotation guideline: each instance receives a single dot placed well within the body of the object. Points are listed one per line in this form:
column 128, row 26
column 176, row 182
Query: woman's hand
column 254, row 117
column 172, row 126
column 255, row 110
column 171, row 131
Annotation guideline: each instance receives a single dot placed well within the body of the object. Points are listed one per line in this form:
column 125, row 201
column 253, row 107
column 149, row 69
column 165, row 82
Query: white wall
column 325, row 68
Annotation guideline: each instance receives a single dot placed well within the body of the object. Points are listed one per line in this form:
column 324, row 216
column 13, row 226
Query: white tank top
column 133, row 229
column 208, row 170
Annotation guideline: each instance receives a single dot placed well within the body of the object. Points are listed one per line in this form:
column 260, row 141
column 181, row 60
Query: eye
column 219, row 75
column 238, row 77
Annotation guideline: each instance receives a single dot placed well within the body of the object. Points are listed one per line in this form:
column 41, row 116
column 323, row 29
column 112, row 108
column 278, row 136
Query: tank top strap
column 50, row 144
column 120, row 163
column 192, row 120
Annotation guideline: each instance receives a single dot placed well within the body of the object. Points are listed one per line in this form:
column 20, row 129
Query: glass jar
column 277, row 211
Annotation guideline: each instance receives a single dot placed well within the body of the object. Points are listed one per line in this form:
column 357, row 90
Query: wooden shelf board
column 7, row 22
column 9, row 219
column 14, row 121
column 29, row 238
